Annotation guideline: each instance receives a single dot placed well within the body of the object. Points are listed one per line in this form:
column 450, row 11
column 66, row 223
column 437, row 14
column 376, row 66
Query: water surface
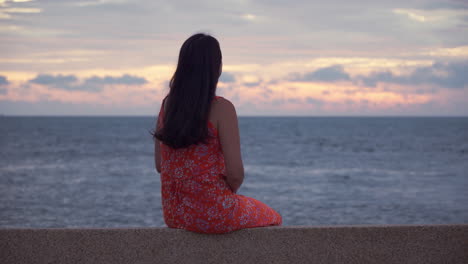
column 99, row 171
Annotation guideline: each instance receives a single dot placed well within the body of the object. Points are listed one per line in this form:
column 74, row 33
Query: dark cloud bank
column 93, row 84
column 327, row 74
column 443, row 74
column 3, row 82
column 227, row 77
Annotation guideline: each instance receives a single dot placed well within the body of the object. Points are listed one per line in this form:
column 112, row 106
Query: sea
column 100, row 172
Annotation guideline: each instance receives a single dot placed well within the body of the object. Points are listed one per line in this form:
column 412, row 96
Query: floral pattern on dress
column 196, row 196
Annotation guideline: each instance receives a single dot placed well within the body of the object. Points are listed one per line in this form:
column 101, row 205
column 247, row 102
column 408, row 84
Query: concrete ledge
column 286, row 244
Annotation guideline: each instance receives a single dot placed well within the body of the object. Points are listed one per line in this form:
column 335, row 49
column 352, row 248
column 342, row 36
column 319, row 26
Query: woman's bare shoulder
column 222, row 110
column 222, row 106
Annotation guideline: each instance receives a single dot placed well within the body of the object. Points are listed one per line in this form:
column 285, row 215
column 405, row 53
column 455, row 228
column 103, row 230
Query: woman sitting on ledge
column 197, row 149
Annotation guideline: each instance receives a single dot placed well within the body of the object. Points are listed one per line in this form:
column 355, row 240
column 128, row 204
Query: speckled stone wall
column 288, row 244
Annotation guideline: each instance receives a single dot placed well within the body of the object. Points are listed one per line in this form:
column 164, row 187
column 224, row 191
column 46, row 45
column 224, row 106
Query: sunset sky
column 280, row 58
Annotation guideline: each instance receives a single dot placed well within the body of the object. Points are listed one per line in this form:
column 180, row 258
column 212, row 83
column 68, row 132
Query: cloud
column 99, row 2
column 314, row 101
column 124, row 79
column 6, row 11
column 293, row 100
column 443, row 74
column 252, row 84
column 451, row 74
column 410, row 14
column 21, row 10
column 94, row 83
column 56, row 81
column 227, row 77
column 376, row 77
column 457, row 5
column 3, row 80
column 327, row 74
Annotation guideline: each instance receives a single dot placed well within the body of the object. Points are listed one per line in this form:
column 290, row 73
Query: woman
column 197, row 149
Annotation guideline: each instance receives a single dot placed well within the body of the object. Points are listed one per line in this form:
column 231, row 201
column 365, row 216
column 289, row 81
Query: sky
column 280, row 57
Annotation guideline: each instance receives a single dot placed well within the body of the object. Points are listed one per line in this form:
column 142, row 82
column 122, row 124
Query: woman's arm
column 157, row 156
column 230, row 143
column 157, row 151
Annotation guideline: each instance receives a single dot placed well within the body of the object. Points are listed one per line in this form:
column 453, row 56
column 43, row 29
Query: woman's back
column 195, row 193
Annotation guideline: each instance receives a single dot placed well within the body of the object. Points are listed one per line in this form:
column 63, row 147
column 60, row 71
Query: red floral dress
column 196, row 196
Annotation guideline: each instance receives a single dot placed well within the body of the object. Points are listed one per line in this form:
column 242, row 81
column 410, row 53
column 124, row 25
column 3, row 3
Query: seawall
column 286, row 244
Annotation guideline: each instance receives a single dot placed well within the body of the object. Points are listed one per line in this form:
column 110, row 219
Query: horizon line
column 255, row 116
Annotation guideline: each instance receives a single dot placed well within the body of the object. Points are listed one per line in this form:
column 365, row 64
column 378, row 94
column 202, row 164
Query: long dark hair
column 192, row 89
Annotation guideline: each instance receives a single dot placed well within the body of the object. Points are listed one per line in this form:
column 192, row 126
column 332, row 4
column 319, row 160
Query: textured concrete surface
column 287, row 244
